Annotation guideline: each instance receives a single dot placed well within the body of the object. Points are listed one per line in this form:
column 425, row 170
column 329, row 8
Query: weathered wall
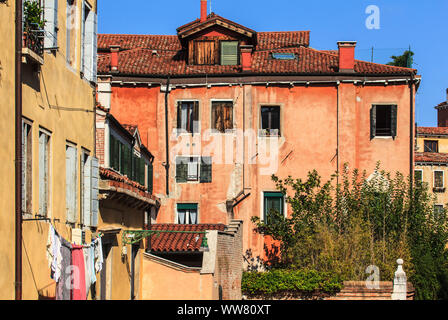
column 164, row 280
column 7, row 106
column 308, row 141
column 58, row 100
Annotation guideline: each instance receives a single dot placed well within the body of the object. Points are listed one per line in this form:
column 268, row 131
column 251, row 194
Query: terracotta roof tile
column 421, row 157
column 180, row 242
column 432, row 131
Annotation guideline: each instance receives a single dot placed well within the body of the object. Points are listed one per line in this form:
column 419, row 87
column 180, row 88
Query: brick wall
column 100, row 138
column 229, row 266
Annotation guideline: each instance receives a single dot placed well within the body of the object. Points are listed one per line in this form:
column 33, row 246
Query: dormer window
column 229, row 53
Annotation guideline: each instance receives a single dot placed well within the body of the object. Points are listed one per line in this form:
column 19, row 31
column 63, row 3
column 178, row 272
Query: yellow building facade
column 431, row 162
column 58, row 96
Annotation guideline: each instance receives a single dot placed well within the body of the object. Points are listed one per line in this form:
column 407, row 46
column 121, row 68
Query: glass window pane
column 181, row 216
column 438, row 179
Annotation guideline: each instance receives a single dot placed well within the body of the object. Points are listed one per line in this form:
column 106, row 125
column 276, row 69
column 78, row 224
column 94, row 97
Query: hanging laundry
column 54, row 253
column 65, row 284
column 79, row 273
column 99, row 255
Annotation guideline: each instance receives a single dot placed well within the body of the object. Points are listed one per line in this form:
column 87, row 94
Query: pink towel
column 79, row 274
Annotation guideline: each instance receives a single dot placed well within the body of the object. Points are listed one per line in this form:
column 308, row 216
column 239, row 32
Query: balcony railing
column 33, row 39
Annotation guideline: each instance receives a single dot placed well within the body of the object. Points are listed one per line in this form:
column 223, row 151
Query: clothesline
column 100, row 235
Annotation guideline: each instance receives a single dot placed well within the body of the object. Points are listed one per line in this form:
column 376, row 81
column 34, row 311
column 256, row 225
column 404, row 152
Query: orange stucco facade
column 317, row 132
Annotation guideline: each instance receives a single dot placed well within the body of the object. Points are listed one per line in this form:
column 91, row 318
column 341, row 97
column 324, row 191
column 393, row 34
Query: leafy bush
column 290, row 281
column 346, row 227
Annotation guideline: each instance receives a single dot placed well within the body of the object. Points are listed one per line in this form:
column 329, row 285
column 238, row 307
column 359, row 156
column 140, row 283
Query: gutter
column 167, row 143
column 18, row 152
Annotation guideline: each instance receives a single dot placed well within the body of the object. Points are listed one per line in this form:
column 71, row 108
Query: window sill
column 438, row 190
column 384, row 137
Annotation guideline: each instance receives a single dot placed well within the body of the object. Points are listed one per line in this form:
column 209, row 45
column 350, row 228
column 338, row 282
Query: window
column 273, row 201
column 229, row 53
column 438, row 210
column 222, row 116
column 138, row 168
column 89, row 42
column 71, row 176
column 44, row 173
column 270, row 120
column 283, row 56
column 383, row 121
column 432, row 146
column 418, row 176
column 120, row 156
column 193, row 169
column 187, row 213
column 27, row 168
column 439, row 182
column 86, row 173
column 188, row 116
column 51, row 24
column 205, row 53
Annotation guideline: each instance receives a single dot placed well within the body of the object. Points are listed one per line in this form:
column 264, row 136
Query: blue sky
column 403, row 23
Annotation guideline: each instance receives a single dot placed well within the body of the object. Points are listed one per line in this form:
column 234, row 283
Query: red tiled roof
column 443, row 104
column 112, row 175
column 431, row 157
column 180, row 242
column 432, row 130
column 160, row 55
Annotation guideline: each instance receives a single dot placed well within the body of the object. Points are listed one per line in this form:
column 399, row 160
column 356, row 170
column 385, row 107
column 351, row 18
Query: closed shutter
column 373, row 122
column 42, row 175
column 89, row 34
column 83, row 31
column 71, row 177
column 150, row 178
column 142, row 171
column 206, row 169
column 24, row 165
column 87, row 192
column 181, row 169
column 51, row 23
column 195, row 122
column 229, row 53
column 95, row 191
column 179, row 115
column 393, row 122
column 95, row 47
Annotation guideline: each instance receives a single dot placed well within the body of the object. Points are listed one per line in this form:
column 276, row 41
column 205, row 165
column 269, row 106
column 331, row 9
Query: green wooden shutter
column 179, row 115
column 113, row 152
column 181, row 169
column 150, row 178
column 206, row 169
column 229, row 53
column 195, row 124
column 393, row 122
column 373, row 122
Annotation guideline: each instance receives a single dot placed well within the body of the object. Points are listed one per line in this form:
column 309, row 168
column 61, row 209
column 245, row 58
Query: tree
column 405, row 60
column 362, row 221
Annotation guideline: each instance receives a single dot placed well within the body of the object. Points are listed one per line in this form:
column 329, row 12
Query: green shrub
column 301, row 282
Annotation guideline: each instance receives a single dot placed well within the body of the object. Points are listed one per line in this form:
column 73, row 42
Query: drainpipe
column 18, row 153
column 167, row 143
column 337, row 131
column 412, row 126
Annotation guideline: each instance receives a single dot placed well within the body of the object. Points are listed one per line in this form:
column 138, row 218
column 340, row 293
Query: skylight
column 283, row 56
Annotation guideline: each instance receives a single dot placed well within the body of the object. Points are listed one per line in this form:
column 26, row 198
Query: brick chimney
column 114, row 53
column 346, row 56
column 442, row 113
column 246, row 57
column 204, row 4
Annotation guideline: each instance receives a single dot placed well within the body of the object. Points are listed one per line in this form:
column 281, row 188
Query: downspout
column 167, row 144
column 18, row 152
column 412, row 127
column 337, row 132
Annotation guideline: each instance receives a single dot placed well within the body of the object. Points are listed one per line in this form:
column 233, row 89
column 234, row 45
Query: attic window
column 284, row 56
column 229, row 53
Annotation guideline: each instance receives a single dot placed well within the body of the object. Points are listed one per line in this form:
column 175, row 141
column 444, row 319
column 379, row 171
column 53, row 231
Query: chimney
column 204, row 4
column 114, row 53
column 246, row 57
column 347, row 56
column 442, row 113
column 447, row 95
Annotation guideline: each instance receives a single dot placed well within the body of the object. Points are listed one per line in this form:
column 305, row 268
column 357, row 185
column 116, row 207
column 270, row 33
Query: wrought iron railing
column 33, row 39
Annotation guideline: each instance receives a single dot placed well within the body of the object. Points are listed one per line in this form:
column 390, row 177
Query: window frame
column 187, row 217
column 420, row 170
column 434, row 179
column 227, row 131
column 27, row 168
column 69, row 144
column 263, row 204
column 48, row 172
column 180, row 131
column 430, row 141
column 393, row 126
column 260, row 122
column 200, row 163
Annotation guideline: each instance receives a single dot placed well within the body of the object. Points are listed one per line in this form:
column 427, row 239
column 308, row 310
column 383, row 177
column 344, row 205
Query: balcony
column 33, row 46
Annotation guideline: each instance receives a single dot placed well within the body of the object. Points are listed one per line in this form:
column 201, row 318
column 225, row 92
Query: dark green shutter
column 187, row 206
column 273, row 201
column 181, row 170
column 373, row 122
column 206, row 170
column 179, row 115
column 195, row 122
column 393, row 123
column 142, row 172
column 150, row 177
